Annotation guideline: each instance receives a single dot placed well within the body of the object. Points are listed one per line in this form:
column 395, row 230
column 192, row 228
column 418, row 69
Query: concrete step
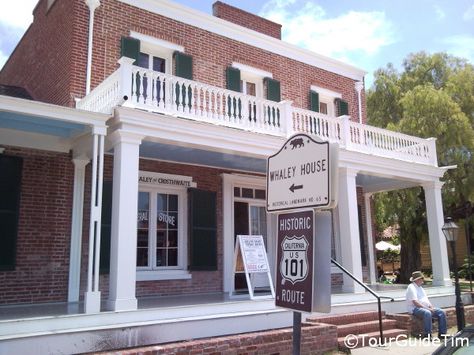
column 365, row 327
column 341, row 319
column 346, row 343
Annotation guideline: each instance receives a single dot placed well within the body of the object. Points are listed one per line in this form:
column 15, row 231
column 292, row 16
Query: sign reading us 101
column 294, row 281
column 302, row 175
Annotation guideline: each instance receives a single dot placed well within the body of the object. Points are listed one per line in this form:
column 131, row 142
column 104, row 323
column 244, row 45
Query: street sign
column 294, row 281
column 303, row 174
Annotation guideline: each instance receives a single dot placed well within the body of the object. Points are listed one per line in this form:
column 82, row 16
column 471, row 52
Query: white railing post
column 346, row 131
column 126, row 80
column 287, row 117
column 432, row 155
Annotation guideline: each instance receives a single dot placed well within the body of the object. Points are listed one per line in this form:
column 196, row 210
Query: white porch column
column 349, row 229
column 76, row 229
column 370, row 238
column 439, row 254
column 123, row 244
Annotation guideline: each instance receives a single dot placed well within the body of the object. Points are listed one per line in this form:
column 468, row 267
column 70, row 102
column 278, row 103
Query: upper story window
column 246, row 79
column 323, row 100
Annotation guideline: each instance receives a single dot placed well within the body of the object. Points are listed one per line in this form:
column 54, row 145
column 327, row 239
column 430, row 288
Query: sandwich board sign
column 302, row 174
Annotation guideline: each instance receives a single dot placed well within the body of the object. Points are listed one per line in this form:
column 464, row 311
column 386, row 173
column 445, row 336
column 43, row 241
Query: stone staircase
column 360, row 328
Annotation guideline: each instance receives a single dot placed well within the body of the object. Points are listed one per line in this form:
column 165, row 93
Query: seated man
column 419, row 305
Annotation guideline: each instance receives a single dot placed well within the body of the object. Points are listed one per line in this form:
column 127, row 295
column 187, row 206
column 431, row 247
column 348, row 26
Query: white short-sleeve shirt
column 415, row 292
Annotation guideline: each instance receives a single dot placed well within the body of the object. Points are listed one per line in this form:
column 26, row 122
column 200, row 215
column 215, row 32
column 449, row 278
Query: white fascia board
column 388, row 167
column 230, row 30
column 252, row 71
column 169, row 129
column 50, row 111
column 156, row 41
column 326, row 92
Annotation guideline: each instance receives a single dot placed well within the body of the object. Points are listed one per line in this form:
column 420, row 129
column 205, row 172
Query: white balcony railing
column 145, row 89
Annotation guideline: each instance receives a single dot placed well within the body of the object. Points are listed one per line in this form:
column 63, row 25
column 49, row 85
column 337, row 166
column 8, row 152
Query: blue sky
column 366, row 33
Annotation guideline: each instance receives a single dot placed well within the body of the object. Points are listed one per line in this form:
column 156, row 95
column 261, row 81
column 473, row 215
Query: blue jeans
column 427, row 317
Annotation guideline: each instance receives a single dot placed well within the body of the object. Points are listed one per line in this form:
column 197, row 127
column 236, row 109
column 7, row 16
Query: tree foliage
column 432, row 97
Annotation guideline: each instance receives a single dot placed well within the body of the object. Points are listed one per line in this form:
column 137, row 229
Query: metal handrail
column 372, row 292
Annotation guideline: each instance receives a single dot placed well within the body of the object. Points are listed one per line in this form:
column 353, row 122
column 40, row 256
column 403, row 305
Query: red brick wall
column 41, row 62
column 246, row 19
column 315, row 339
column 211, row 53
column 43, row 243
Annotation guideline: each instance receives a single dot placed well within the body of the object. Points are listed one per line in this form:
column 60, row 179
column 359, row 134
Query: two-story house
column 142, row 150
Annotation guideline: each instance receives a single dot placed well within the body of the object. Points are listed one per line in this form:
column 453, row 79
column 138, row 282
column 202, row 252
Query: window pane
column 247, row 193
column 236, row 191
column 143, row 60
column 251, row 89
column 173, row 203
column 260, row 194
column 162, row 202
column 161, row 257
column 173, row 239
column 323, row 108
column 159, row 64
column 172, row 257
column 160, row 238
column 142, row 257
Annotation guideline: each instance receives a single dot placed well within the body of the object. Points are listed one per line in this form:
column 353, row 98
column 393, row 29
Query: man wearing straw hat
column 419, row 305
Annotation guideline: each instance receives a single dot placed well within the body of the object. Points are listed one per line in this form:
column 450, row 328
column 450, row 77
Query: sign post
column 301, row 178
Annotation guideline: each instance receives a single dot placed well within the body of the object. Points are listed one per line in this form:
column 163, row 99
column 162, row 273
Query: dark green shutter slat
column 233, row 79
column 314, row 101
column 183, row 65
column 342, row 107
column 106, row 227
column 130, row 47
column 273, row 89
column 10, row 188
column 202, row 230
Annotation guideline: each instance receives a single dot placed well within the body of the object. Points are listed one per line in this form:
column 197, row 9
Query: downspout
column 92, row 4
column 359, row 85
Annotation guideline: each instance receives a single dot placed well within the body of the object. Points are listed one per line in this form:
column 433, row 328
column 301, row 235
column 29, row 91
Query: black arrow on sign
column 294, row 187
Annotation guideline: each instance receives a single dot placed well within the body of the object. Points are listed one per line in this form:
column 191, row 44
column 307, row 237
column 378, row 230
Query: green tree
column 432, row 97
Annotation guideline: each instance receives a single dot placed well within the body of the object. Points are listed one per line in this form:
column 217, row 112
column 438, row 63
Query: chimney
column 246, row 19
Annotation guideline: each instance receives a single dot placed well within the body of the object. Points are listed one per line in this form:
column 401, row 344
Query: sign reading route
column 302, row 174
column 294, row 281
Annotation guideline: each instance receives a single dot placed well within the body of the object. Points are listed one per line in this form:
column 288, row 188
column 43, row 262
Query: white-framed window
column 161, row 233
column 326, row 100
column 251, row 79
column 156, row 54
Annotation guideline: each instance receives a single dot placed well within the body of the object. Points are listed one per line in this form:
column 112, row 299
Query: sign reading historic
column 302, row 175
column 294, row 281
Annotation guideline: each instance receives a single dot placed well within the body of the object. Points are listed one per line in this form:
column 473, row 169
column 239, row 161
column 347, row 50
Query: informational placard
column 294, row 280
column 250, row 251
column 302, row 174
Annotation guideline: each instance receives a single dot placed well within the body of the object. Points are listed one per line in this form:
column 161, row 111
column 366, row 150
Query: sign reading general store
column 301, row 175
column 294, row 281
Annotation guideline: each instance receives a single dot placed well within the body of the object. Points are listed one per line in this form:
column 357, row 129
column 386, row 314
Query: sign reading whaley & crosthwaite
column 303, row 174
column 157, row 179
column 294, row 281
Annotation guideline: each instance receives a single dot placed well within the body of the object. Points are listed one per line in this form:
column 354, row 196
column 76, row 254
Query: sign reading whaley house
column 302, row 175
column 294, row 281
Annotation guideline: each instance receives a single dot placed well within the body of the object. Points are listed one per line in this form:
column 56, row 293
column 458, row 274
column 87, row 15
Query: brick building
column 141, row 153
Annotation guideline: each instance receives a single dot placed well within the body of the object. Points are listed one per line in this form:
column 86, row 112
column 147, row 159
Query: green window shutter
column 130, row 47
column 233, row 79
column 314, row 101
column 273, row 89
column 342, row 107
column 202, row 230
column 105, row 227
column 183, row 65
column 10, row 188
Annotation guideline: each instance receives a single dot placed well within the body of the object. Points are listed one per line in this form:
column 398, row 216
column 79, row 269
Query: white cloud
column 307, row 25
column 469, row 14
column 461, row 46
column 440, row 14
column 18, row 13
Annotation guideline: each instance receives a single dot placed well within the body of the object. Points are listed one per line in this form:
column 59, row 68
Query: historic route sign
column 302, row 174
column 294, row 281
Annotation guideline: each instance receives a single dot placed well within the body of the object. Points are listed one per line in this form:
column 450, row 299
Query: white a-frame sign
column 250, row 251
